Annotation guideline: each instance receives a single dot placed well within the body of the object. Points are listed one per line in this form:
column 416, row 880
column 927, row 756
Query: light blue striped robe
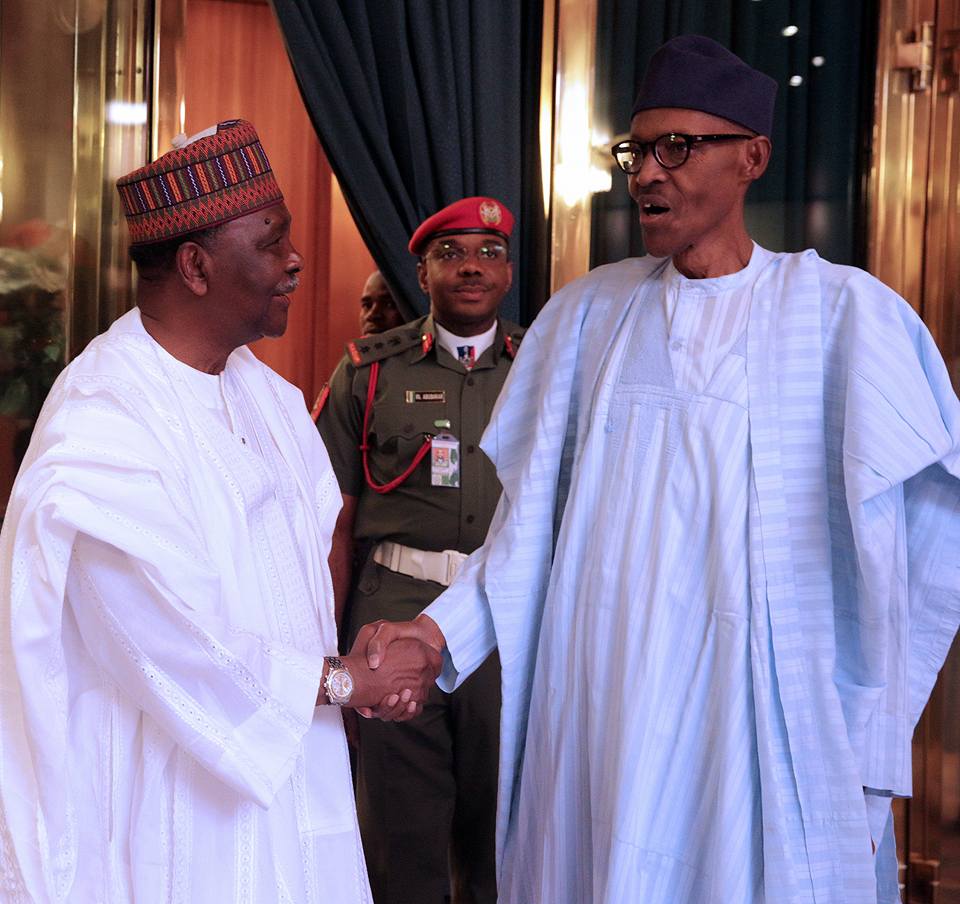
column 852, row 509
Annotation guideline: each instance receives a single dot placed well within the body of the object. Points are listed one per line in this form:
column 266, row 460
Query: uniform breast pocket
column 398, row 432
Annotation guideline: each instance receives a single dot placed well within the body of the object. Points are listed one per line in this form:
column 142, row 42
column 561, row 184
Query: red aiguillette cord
column 365, row 446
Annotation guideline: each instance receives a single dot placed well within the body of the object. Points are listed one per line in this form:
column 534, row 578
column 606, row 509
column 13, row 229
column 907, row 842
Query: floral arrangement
column 32, row 284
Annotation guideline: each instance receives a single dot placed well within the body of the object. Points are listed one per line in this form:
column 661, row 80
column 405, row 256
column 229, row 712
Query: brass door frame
column 941, row 258
column 567, row 85
column 913, row 237
column 109, row 122
column 898, row 172
column 914, row 226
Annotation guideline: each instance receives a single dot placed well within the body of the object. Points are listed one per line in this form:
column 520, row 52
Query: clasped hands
column 393, row 687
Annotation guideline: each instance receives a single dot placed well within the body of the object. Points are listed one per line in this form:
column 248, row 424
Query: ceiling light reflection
column 125, row 113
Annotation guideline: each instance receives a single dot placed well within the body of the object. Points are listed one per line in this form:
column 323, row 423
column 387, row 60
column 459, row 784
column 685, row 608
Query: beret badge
column 490, row 213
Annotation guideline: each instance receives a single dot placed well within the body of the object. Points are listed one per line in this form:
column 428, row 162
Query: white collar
column 480, row 343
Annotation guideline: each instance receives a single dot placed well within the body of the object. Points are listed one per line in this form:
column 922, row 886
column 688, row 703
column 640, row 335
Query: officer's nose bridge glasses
column 450, row 252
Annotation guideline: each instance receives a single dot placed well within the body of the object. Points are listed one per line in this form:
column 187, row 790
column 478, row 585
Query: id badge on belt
column 445, row 459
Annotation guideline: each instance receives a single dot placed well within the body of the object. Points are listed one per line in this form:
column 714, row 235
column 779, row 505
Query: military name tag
column 425, row 395
column 445, row 461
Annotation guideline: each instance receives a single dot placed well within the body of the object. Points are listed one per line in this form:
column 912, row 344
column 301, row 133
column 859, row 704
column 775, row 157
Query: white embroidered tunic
column 166, row 606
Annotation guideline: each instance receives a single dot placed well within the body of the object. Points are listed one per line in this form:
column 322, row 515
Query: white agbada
column 722, row 576
column 165, row 606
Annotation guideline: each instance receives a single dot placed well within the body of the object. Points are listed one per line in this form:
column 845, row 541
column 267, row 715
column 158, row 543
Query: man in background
column 169, row 686
column 378, row 312
column 402, row 424
column 378, row 309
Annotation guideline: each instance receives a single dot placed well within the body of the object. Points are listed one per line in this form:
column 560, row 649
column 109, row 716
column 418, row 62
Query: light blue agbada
column 632, row 726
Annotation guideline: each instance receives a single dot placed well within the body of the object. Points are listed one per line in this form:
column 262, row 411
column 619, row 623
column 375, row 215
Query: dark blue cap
column 697, row 73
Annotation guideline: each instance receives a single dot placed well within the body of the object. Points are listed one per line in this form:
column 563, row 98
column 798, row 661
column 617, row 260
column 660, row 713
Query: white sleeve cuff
column 463, row 615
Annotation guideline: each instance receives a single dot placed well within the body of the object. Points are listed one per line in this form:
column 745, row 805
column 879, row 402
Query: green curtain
column 811, row 195
column 419, row 103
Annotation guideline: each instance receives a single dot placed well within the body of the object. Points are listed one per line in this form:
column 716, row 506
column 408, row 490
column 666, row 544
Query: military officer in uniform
column 402, row 423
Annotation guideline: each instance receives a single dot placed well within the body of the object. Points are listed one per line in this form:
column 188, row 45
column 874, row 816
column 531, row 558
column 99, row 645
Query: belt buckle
column 454, row 560
column 393, row 556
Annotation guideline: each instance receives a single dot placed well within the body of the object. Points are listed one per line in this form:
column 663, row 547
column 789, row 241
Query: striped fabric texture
column 211, row 181
column 665, row 738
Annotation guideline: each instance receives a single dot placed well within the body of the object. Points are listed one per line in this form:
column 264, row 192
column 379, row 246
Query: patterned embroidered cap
column 469, row 215
column 221, row 174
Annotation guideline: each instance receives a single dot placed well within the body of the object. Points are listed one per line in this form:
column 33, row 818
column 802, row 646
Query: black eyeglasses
column 670, row 150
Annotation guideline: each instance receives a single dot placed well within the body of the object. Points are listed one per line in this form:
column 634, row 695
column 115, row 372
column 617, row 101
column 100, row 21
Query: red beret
column 469, row 215
column 221, row 175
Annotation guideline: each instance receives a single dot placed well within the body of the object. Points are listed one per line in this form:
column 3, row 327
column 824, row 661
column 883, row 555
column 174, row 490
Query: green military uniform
column 429, row 783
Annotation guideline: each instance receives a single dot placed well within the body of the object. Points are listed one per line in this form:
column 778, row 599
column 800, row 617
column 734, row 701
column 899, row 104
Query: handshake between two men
column 394, row 685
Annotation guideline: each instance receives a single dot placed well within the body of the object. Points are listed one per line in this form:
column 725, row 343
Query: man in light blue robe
column 725, row 568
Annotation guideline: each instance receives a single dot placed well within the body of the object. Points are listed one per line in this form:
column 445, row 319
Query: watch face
column 340, row 684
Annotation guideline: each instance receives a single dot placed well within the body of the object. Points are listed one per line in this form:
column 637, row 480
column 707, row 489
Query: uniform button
column 469, row 381
column 676, row 346
column 470, row 449
column 470, row 519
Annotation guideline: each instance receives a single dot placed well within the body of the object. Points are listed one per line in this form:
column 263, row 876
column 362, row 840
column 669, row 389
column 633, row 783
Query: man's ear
column 422, row 277
column 509, row 276
column 756, row 157
column 193, row 265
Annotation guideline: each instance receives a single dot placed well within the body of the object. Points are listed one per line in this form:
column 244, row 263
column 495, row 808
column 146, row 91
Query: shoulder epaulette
column 320, row 402
column 512, row 337
column 367, row 349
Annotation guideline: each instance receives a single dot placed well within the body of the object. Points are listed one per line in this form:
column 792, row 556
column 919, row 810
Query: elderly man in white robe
column 169, row 690
column 725, row 568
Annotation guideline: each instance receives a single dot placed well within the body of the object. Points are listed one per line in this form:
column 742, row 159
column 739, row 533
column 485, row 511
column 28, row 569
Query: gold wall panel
column 73, row 117
column 573, row 83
